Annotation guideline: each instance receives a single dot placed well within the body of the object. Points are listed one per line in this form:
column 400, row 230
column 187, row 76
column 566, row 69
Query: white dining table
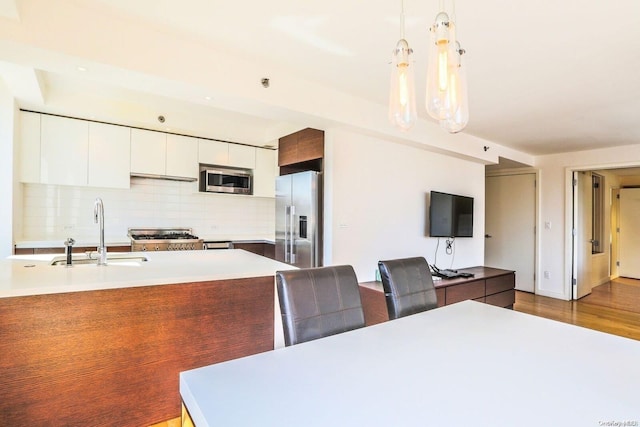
column 466, row 364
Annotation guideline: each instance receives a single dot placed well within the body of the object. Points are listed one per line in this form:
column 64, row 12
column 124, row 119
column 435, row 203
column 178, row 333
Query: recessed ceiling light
column 81, row 68
column 208, row 98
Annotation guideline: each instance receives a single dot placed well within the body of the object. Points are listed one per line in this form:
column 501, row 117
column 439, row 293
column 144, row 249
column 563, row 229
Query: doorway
column 594, row 265
column 510, row 225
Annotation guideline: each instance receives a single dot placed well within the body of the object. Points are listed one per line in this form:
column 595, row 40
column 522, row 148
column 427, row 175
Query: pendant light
column 446, row 94
column 402, row 102
column 459, row 116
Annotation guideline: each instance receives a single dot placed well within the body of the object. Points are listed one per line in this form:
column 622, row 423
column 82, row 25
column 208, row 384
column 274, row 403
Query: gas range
column 164, row 239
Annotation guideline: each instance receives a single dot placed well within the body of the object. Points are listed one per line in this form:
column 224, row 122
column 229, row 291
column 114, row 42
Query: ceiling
column 544, row 77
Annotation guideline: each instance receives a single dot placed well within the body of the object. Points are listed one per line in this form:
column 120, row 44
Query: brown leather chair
column 318, row 302
column 408, row 286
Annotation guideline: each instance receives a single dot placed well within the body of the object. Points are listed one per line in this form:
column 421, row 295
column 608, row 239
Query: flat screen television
column 450, row 215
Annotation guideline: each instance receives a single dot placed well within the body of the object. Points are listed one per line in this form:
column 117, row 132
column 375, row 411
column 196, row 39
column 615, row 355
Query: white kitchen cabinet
column 182, row 156
column 264, row 175
column 109, row 155
column 29, row 147
column 242, row 156
column 226, row 154
column 213, row 152
column 64, row 145
column 148, row 152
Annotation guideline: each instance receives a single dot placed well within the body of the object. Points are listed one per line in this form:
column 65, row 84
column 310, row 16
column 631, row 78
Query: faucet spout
column 98, row 218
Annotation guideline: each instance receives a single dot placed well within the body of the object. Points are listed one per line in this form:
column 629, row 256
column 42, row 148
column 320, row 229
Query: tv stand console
column 489, row 285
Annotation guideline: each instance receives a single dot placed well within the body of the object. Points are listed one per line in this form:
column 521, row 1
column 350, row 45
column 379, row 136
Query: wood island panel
column 113, row 357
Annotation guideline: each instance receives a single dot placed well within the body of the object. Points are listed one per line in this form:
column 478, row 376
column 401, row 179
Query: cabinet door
column 242, row 156
column 109, row 156
column 288, row 149
column 264, row 175
column 148, row 152
column 310, row 145
column 29, row 147
column 182, row 156
column 213, row 152
column 65, row 149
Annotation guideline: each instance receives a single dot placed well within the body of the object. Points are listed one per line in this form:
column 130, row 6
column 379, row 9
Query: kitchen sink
column 92, row 259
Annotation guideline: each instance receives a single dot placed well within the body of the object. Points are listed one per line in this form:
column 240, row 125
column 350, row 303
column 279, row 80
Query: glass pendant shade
column 459, row 116
column 402, row 102
column 442, row 57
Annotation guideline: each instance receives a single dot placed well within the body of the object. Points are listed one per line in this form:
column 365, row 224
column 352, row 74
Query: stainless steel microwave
column 223, row 180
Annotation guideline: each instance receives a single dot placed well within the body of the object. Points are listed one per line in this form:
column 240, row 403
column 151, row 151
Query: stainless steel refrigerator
column 299, row 219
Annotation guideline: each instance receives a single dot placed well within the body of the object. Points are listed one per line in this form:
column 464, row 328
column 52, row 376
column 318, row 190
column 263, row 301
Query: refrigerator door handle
column 286, row 242
column 292, row 255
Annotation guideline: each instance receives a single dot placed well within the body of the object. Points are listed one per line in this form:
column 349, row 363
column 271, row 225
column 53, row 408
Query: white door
column 510, row 221
column 582, row 244
column 629, row 232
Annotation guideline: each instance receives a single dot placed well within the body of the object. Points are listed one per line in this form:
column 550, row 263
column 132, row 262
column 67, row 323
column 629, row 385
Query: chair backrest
column 318, row 302
column 408, row 286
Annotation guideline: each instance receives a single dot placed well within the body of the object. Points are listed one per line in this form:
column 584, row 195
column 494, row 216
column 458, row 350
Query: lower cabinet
column 489, row 285
column 76, row 249
column 260, row 248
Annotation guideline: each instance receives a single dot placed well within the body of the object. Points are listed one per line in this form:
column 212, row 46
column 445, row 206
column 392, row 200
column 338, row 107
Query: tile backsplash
column 55, row 212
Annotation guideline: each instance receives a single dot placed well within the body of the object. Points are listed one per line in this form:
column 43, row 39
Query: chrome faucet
column 68, row 248
column 98, row 218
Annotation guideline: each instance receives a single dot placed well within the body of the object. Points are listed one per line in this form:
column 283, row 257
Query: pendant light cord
column 402, row 19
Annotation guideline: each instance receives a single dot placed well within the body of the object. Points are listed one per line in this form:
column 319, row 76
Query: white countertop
column 466, row 364
column 22, row 275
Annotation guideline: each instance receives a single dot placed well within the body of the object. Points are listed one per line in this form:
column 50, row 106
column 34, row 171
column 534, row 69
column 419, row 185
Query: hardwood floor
column 613, row 307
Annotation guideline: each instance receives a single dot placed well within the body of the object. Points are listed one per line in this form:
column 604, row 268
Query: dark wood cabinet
column 489, row 285
column 303, row 146
column 76, row 250
column 259, row 248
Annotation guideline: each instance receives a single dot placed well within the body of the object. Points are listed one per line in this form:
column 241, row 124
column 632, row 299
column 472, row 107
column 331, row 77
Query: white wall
column 376, row 202
column 555, row 207
column 7, row 126
column 55, row 212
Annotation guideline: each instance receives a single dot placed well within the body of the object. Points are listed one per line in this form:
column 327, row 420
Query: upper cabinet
column 148, row 152
column 109, row 155
column 163, row 155
column 242, row 156
column 65, row 151
column 226, row 154
column 64, row 145
column 182, row 156
column 303, row 146
column 30, row 147
column 213, row 152
column 264, row 175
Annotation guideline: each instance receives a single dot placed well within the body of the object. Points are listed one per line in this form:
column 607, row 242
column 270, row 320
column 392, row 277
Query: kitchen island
column 91, row 345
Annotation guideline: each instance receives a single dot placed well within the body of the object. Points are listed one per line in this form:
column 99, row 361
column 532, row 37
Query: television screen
column 450, row 215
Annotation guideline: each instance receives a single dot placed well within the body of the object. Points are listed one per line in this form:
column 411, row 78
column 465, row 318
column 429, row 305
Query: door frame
column 536, row 240
column 569, row 206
